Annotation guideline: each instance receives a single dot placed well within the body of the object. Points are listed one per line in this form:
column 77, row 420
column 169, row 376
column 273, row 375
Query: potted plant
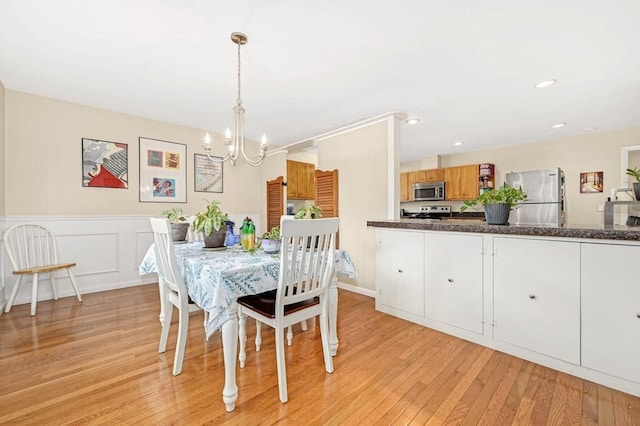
column 635, row 173
column 308, row 211
column 179, row 224
column 270, row 241
column 497, row 203
column 211, row 223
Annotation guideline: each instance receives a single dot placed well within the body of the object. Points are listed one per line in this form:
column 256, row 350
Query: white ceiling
column 465, row 67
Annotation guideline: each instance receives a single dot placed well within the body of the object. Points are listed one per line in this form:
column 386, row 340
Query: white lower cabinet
column 400, row 270
column 611, row 309
column 453, row 279
column 536, row 285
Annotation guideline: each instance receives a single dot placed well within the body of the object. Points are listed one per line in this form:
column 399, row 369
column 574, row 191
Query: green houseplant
column 270, row 241
column 635, row 173
column 308, row 211
column 211, row 223
column 179, row 224
column 497, row 203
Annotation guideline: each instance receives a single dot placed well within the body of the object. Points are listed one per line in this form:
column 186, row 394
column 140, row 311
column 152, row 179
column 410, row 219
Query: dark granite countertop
column 599, row 232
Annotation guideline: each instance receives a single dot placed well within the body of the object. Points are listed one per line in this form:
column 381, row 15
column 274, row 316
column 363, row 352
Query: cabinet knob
column 532, row 296
column 400, row 270
column 450, row 280
column 638, row 315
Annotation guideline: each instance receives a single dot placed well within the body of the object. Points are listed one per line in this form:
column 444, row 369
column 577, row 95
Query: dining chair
column 303, row 289
column 174, row 288
column 32, row 250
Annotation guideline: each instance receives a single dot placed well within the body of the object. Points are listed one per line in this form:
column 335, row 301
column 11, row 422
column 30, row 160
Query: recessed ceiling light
column 412, row 120
column 458, row 143
column 557, row 126
column 545, row 83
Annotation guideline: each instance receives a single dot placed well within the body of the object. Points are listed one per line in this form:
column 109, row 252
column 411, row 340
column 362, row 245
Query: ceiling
column 466, row 68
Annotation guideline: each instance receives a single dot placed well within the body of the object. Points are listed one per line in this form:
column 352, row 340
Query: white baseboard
column 356, row 289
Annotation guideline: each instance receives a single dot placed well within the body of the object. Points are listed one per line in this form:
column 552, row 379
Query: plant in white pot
column 270, row 241
column 211, row 223
column 308, row 211
column 179, row 224
column 635, row 173
column 497, row 203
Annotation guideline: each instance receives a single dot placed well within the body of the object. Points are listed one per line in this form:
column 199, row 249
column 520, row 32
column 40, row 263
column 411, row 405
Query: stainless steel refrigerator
column 545, row 197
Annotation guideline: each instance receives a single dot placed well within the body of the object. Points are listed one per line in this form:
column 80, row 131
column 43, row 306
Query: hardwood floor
column 96, row 362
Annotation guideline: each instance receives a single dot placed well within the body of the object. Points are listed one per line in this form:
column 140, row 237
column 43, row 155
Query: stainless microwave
column 428, row 191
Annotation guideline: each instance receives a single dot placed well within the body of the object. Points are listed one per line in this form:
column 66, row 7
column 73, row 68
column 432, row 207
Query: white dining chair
column 303, row 289
column 32, row 250
column 173, row 290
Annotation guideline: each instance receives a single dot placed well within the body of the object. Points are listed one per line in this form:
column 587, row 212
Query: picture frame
column 207, row 174
column 591, row 182
column 105, row 164
column 163, row 171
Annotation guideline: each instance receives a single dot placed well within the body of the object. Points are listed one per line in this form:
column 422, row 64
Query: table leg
column 161, row 290
column 230, row 350
column 333, row 315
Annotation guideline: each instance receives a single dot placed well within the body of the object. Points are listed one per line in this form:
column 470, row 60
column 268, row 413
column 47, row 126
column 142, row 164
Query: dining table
column 216, row 278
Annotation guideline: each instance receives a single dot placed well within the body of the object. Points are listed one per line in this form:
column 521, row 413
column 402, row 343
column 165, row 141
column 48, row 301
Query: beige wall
column 43, row 166
column 361, row 159
column 2, row 149
column 586, row 153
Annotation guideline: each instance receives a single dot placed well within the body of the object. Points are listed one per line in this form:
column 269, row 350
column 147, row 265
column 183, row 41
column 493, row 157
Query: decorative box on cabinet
column 611, row 310
column 453, row 280
column 400, row 270
column 536, row 290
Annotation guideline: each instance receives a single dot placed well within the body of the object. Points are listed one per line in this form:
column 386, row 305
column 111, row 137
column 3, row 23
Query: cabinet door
column 404, row 187
column 434, row 175
column 306, row 181
column 536, row 291
column 400, row 270
column 453, row 280
column 292, row 179
column 452, row 183
column 461, row 182
column 611, row 310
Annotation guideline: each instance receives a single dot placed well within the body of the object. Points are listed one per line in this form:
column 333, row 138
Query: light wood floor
column 97, row 363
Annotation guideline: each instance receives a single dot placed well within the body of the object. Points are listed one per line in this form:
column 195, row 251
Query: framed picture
column 163, row 171
column 591, row 182
column 207, row 174
column 104, row 164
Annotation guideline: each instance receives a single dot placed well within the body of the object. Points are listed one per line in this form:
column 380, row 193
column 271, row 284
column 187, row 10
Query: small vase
column 497, row 214
column 179, row 231
column 216, row 238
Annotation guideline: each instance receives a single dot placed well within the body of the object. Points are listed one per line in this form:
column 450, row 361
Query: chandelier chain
column 239, row 99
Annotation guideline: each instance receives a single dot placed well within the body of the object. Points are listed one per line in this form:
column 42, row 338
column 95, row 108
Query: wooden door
column 275, row 202
column 326, row 194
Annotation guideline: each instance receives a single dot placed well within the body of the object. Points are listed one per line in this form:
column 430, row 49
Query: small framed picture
column 163, row 171
column 207, row 173
column 591, row 182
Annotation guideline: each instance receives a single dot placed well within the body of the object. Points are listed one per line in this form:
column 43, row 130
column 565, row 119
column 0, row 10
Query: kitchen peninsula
column 564, row 297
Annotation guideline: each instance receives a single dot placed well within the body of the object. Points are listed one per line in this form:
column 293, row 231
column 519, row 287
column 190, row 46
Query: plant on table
column 210, row 220
column 635, row 173
column 497, row 203
column 179, row 225
column 308, row 211
column 270, row 241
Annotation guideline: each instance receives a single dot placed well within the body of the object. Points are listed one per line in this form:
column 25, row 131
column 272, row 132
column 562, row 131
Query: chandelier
column 235, row 142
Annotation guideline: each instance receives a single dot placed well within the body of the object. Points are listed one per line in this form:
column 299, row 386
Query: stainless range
column 432, row 213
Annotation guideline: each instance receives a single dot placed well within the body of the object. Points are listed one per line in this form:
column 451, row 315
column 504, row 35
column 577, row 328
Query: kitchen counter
column 600, row 232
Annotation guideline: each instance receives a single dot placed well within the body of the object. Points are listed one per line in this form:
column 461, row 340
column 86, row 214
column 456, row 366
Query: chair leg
column 204, row 323
column 242, row 337
column 34, row 294
column 324, row 336
column 166, row 325
column 289, row 336
column 258, row 335
column 14, row 292
column 183, row 328
column 303, row 324
column 54, row 287
column 74, row 284
column 282, row 368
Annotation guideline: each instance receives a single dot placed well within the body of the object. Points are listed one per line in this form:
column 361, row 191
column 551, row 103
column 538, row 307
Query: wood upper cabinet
column 300, row 180
column 407, row 179
column 461, row 182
